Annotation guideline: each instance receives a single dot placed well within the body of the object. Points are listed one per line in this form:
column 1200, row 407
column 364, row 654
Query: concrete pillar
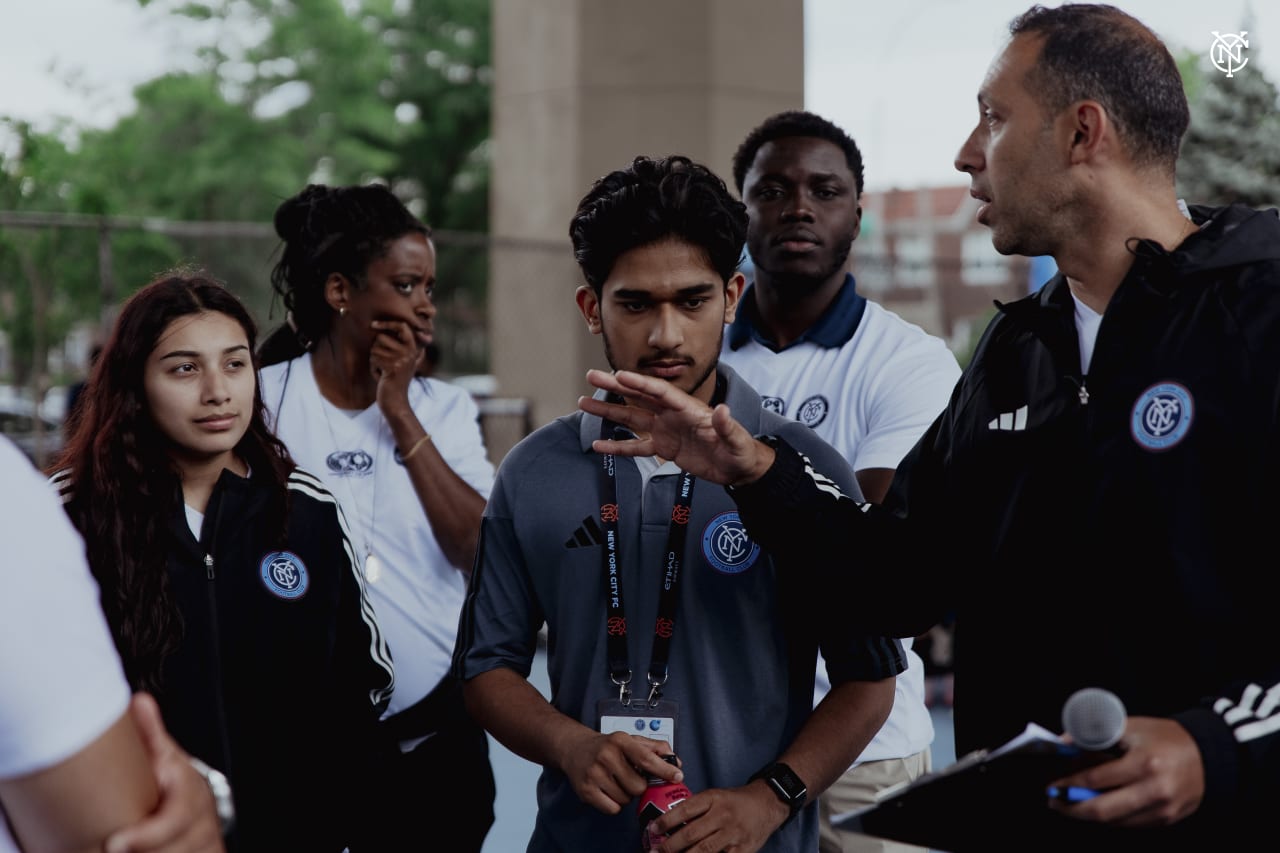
column 581, row 87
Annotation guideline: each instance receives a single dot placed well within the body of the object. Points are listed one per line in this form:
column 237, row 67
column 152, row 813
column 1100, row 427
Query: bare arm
column 452, row 507
column 186, row 820
column 606, row 771
column 77, row 803
column 874, row 483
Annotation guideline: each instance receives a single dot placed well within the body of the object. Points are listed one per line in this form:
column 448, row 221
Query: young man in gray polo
column 667, row 627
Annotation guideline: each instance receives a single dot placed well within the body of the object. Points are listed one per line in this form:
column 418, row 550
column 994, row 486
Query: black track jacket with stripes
column 281, row 673
column 1112, row 530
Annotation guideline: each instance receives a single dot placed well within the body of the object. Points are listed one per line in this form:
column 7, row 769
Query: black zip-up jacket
column 1110, row 530
column 281, row 673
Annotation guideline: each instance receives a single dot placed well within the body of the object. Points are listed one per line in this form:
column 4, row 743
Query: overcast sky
column 900, row 75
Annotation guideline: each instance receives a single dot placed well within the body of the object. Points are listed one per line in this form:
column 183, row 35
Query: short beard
column 795, row 287
column 706, row 374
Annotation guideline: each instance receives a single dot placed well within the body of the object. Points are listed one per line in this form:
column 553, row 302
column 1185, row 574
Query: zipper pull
column 1084, row 397
column 208, row 566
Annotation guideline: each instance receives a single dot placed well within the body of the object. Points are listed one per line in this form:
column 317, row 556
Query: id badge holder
column 639, row 718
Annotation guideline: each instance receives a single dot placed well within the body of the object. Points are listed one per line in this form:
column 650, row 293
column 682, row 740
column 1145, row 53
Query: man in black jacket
column 1091, row 500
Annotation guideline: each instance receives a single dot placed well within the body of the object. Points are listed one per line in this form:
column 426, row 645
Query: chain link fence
column 63, row 277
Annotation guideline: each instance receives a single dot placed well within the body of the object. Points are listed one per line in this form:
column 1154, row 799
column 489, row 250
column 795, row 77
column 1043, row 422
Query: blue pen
column 1072, row 794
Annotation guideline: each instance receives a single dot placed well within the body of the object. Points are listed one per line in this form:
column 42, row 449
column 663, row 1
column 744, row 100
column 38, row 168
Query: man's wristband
column 221, row 790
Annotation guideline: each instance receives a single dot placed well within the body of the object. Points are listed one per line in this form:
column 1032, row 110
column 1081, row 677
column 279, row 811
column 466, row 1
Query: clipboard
column 987, row 800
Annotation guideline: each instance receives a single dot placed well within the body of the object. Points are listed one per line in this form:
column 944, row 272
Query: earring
column 342, row 312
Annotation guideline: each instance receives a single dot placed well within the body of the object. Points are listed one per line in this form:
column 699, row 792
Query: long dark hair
column 123, row 486
column 328, row 230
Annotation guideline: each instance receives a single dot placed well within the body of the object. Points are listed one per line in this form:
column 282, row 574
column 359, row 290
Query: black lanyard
column 615, row 614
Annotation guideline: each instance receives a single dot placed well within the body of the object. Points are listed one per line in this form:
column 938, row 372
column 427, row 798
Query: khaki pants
column 857, row 788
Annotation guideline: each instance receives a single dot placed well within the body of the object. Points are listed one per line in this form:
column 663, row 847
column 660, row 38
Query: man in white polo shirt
column 862, row 378
column 79, row 765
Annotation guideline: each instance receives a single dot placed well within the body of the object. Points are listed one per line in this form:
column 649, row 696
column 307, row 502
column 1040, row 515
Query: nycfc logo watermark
column 726, row 546
column 773, row 404
column 350, row 463
column 284, row 575
column 813, row 411
column 1162, row 416
column 1227, row 52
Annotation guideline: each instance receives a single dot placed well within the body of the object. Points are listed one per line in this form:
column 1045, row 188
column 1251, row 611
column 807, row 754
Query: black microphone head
column 1094, row 718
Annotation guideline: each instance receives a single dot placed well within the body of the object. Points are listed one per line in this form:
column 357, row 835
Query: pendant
column 372, row 567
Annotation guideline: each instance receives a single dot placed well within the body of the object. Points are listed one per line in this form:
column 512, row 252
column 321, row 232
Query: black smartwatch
column 785, row 784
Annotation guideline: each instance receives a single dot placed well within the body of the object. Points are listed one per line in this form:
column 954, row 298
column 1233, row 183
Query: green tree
column 48, row 276
column 1231, row 152
column 391, row 90
column 397, row 90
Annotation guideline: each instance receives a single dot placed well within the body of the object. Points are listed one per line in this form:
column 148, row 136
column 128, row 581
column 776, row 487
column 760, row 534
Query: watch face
column 787, row 783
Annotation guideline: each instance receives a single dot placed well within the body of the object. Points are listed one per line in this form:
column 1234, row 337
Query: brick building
column 923, row 255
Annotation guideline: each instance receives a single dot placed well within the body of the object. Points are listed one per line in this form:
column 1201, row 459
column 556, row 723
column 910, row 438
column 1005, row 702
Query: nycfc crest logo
column 813, row 411
column 1227, row 52
column 1162, row 416
column 726, row 546
column 773, row 404
column 284, row 574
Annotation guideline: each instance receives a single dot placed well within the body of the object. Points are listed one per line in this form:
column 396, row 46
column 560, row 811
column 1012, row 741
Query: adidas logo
column 587, row 534
column 1010, row 421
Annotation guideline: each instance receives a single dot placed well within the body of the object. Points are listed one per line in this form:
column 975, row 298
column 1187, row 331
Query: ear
column 732, row 293
column 1090, row 130
column 337, row 290
column 857, row 223
column 589, row 305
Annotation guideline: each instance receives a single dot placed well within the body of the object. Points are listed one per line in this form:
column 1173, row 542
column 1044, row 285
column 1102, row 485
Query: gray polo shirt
column 747, row 632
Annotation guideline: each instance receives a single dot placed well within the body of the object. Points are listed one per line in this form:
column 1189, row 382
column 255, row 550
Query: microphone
column 1094, row 718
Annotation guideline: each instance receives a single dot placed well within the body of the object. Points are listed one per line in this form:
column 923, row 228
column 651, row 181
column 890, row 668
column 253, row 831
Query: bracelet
column 404, row 457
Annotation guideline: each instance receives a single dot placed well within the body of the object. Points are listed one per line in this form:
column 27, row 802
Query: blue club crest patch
column 1162, row 416
column 813, row 411
column 284, row 575
column 726, row 546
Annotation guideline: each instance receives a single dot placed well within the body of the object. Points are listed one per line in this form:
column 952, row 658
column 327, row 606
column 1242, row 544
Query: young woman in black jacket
column 227, row 573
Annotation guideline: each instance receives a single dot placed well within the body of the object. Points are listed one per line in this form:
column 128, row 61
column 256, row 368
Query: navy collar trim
column 832, row 330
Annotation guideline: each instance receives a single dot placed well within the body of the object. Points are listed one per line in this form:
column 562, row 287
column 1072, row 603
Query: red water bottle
column 656, row 801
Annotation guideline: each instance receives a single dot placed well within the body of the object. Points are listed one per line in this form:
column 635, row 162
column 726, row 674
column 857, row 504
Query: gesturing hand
column 707, row 442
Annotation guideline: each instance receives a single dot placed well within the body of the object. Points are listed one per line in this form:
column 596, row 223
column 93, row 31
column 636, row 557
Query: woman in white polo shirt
column 405, row 457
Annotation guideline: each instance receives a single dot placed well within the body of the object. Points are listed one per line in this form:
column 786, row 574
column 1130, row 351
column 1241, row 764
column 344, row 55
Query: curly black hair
column 795, row 123
column 651, row 200
column 1097, row 52
column 327, row 230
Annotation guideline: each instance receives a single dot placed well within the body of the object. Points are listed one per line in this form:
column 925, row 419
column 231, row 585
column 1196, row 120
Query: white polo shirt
column 61, row 683
column 416, row 593
column 869, row 384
